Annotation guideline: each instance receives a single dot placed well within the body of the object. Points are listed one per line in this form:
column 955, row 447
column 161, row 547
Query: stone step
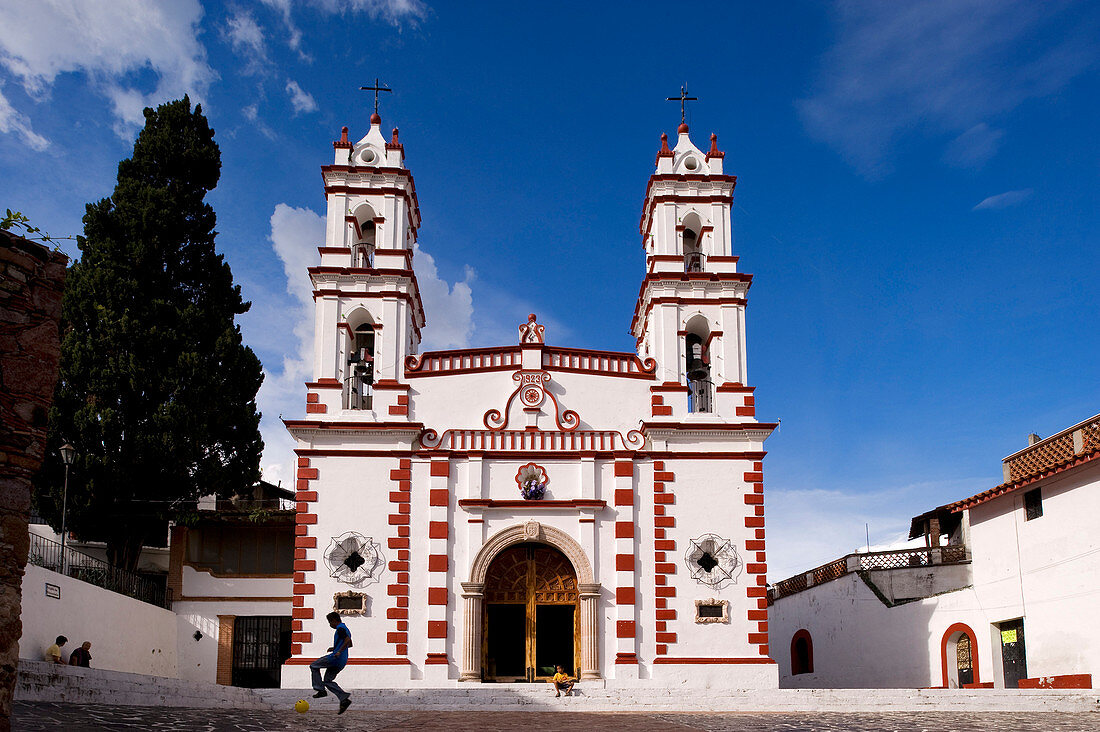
column 509, row 697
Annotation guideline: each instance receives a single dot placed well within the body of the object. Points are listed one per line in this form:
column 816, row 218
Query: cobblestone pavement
column 40, row 717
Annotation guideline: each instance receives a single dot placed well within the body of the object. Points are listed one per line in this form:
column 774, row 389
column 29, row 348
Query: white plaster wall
column 353, row 495
column 709, row 499
column 198, row 659
column 460, row 401
column 199, row 583
column 126, row 635
column 1046, row 570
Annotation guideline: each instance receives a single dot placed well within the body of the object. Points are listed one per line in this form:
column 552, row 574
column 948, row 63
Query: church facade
column 484, row 514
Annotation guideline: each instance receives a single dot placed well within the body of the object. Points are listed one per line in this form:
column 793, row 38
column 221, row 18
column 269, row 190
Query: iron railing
column 48, row 555
column 693, row 262
column 861, row 562
column 699, row 396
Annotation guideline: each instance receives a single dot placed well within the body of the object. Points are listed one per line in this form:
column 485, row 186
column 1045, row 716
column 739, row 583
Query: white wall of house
column 198, row 658
column 1046, row 571
column 126, row 635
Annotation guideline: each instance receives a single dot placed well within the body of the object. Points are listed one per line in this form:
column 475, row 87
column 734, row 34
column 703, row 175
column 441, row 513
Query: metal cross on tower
column 376, row 88
column 682, row 99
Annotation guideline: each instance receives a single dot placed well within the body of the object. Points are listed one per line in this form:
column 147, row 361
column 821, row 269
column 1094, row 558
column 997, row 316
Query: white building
column 637, row 553
column 1006, row 602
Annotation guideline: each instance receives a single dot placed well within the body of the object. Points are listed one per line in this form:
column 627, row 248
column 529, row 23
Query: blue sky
column 916, row 197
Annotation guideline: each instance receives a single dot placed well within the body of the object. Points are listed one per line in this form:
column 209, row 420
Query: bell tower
column 690, row 316
column 369, row 312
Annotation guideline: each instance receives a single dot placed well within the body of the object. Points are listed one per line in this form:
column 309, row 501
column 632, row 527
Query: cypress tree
column 156, row 390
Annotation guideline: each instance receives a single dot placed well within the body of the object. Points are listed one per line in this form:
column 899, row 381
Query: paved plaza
column 43, row 717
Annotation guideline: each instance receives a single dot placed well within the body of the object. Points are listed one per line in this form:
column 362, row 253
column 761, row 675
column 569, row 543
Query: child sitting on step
column 562, row 682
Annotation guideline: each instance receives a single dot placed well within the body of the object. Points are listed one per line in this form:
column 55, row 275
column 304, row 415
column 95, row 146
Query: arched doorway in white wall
column 959, row 657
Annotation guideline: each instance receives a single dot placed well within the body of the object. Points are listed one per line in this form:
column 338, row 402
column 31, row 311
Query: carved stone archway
column 473, row 594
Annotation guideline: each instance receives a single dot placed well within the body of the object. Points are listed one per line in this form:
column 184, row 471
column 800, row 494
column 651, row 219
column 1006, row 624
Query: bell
column 697, row 370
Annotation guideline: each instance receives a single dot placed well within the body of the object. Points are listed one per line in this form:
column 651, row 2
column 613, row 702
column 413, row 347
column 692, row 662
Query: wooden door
column 530, row 610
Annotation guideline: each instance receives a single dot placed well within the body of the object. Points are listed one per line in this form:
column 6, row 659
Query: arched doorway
column 588, row 593
column 959, row 656
column 530, row 620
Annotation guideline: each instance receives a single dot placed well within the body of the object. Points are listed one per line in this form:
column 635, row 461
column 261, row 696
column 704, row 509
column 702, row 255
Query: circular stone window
column 691, row 163
column 367, row 156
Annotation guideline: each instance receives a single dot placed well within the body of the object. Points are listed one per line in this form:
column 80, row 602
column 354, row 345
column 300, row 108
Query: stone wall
column 31, row 282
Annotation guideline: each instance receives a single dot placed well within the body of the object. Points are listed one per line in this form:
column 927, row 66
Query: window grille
column 1033, row 504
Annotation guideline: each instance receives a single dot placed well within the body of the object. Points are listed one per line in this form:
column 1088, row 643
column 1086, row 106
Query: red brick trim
column 626, row 658
column 712, row 661
column 1064, row 681
column 952, row 630
column 436, row 659
column 399, row 518
column 355, row 661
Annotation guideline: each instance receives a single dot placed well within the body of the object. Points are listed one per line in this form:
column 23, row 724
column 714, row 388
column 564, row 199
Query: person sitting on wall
column 53, row 653
column 80, row 655
column 562, row 682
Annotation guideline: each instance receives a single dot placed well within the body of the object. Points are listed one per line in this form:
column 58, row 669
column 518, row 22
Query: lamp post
column 68, row 454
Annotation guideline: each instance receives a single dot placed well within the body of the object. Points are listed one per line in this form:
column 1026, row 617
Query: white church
column 481, row 515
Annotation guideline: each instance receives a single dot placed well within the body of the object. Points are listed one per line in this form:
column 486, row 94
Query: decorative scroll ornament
column 532, row 392
column 354, row 559
column 532, row 481
column 531, row 332
column 713, row 561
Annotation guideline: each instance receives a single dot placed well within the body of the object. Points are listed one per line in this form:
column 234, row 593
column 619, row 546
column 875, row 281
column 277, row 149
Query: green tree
column 156, row 390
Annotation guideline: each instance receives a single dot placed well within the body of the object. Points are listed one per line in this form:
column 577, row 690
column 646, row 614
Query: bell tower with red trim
column 369, row 311
column 690, row 315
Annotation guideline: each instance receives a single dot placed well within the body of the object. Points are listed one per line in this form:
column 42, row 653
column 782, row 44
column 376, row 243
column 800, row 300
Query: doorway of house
column 530, row 618
column 1013, row 653
column 964, row 664
column 261, row 645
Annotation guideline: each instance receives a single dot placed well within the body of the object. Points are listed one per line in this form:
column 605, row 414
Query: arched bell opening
column 364, row 237
column 359, row 372
column 697, row 365
column 693, row 243
column 530, row 619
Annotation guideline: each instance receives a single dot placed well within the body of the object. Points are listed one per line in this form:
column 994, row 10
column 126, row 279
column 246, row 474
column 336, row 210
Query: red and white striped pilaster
column 439, row 498
column 626, row 617
column 401, row 507
column 757, row 571
column 304, row 517
column 664, row 547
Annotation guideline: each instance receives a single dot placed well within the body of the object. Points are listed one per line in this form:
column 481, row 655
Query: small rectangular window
column 1033, row 504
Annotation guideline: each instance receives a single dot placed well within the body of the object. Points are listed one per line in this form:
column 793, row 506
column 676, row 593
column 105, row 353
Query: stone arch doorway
column 561, row 557
column 529, row 615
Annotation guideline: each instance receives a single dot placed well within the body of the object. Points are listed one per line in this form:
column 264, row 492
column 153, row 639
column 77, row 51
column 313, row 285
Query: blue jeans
column 332, row 667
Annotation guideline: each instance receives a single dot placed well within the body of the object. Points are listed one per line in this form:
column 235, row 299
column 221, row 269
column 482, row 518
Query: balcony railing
column 693, row 262
column 898, row 559
column 48, row 555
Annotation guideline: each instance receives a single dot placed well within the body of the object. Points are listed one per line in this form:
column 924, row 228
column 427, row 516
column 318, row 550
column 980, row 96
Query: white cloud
column 294, row 35
column 13, row 121
column 108, row 41
column 974, row 147
column 301, row 100
column 394, row 12
column 1003, row 200
column 295, row 235
column 247, row 39
column 936, row 68
column 449, row 309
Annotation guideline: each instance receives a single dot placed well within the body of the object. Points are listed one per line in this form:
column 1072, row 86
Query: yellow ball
column 301, row 706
